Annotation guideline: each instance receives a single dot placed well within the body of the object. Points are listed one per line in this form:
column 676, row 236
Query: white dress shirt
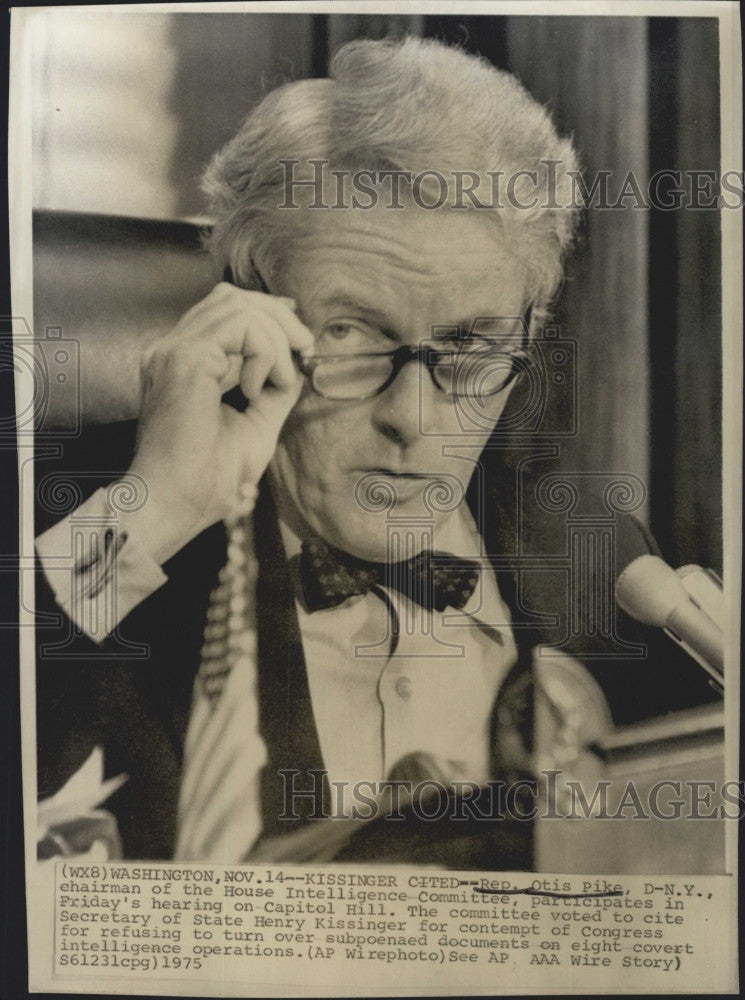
column 435, row 694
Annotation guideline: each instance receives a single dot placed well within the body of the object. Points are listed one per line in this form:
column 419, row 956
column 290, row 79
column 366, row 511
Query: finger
column 283, row 374
column 246, row 371
column 264, row 419
column 227, row 311
column 224, row 302
column 298, row 335
column 220, row 298
column 226, row 298
column 259, row 353
column 290, row 303
column 237, row 345
column 267, row 355
column 232, row 376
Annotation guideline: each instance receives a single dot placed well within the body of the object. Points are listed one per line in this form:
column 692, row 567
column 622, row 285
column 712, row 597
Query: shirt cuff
column 97, row 572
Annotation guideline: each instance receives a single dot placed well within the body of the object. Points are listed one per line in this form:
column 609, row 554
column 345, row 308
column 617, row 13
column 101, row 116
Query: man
column 374, row 322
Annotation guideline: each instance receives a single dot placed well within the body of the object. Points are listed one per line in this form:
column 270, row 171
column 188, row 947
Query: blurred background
column 128, row 108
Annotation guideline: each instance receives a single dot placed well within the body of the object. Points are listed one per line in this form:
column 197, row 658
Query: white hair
column 413, row 105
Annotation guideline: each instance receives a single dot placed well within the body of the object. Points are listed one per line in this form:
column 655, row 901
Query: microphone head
column 650, row 591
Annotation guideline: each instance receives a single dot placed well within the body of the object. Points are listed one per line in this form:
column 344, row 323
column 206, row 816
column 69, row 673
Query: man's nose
column 407, row 408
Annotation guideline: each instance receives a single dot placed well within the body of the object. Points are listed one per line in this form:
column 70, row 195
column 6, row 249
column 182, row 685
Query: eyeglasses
column 469, row 369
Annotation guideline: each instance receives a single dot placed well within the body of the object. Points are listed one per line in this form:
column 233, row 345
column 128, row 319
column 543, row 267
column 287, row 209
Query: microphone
column 687, row 604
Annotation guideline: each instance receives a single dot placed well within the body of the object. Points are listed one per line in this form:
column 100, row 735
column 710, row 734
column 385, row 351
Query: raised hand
column 194, row 452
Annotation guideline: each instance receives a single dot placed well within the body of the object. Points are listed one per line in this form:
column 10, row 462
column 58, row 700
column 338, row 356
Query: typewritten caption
column 214, row 923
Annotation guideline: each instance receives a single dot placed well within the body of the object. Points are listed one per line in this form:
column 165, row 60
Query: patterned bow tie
column 328, row 576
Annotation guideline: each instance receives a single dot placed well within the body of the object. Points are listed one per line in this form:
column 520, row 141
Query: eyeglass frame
column 428, row 356
column 399, row 357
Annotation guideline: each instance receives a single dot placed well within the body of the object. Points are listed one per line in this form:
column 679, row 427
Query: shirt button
column 402, row 687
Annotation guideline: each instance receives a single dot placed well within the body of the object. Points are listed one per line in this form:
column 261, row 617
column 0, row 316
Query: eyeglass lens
column 479, row 372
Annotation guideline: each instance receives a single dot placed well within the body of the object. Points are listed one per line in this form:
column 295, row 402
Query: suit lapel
column 286, row 712
column 155, row 695
column 148, row 701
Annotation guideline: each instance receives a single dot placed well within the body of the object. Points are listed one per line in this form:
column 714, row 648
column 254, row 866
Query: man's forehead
column 410, row 246
column 444, row 224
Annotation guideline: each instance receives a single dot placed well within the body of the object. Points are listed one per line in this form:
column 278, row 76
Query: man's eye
column 346, row 336
column 339, row 331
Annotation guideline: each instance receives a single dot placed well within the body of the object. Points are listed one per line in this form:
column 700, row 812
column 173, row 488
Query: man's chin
column 370, row 547
column 380, row 543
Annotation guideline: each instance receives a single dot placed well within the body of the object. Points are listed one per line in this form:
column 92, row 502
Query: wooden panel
column 345, row 27
column 592, row 75
column 225, row 64
column 697, row 506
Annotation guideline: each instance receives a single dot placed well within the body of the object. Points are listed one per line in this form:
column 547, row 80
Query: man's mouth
column 400, row 473
column 405, row 484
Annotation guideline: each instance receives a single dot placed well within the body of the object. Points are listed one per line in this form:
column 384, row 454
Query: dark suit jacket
column 133, row 694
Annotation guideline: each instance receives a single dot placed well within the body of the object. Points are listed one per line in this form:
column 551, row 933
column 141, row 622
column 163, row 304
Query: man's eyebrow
column 375, row 315
column 342, row 301
column 387, row 321
column 473, row 324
